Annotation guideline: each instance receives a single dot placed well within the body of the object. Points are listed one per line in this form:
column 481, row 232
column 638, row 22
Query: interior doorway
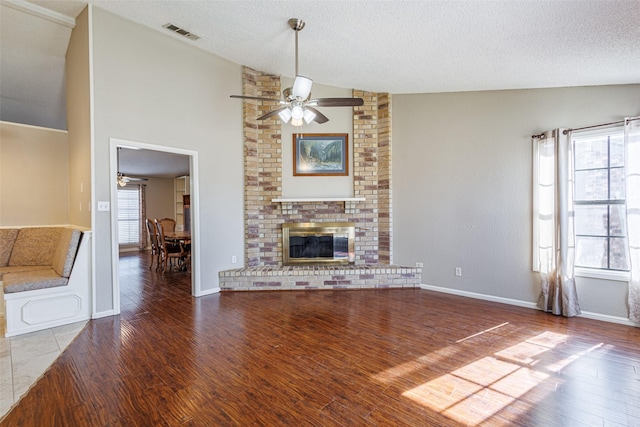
column 138, row 172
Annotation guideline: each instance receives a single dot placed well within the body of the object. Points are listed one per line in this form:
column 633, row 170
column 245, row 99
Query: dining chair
column 168, row 223
column 168, row 250
column 153, row 237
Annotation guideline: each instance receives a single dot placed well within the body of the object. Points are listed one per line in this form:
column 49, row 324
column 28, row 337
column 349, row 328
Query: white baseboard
column 484, row 297
column 607, row 318
column 209, row 292
column 526, row 304
column 101, row 314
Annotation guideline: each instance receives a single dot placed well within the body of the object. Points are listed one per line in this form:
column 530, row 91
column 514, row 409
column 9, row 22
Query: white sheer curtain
column 554, row 222
column 632, row 175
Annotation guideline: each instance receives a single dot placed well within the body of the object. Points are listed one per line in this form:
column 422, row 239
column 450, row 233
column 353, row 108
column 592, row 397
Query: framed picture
column 321, row 154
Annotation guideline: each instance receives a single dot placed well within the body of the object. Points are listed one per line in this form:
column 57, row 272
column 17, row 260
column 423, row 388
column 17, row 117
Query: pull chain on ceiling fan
column 297, row 105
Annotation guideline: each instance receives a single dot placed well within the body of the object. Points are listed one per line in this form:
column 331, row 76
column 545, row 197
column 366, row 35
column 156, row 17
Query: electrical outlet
column 419, row 264
column 234, row 259
column 458, row 272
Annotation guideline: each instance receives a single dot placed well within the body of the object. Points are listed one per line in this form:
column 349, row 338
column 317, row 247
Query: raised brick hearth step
column 369, row 276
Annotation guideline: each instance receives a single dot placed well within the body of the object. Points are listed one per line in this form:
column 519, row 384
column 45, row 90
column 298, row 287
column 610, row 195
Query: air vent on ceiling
column 181, row 31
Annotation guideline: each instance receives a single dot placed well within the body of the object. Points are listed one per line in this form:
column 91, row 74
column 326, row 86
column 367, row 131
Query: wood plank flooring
column 333, row 358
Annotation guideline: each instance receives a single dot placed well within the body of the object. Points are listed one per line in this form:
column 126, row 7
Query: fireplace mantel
column 318, row 199
column 349, row 203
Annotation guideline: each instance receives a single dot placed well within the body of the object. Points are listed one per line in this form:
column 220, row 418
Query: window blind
column 129, row 216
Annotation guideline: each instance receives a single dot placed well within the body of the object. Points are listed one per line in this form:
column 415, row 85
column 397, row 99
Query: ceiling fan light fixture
column 285, row 115
column 309, row 116
column 297, row 113
column 297, row 104
column 302, row 87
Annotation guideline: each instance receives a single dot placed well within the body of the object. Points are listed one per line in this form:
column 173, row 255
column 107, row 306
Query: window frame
column 593, row 272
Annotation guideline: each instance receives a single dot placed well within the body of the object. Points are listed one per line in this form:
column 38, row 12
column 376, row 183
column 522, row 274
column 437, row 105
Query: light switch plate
column 103, row 207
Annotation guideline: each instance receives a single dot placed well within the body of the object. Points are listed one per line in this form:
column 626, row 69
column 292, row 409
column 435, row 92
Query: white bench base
column 32, row 311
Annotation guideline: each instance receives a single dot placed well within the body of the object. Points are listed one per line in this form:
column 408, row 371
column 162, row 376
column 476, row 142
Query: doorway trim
column 114, row 144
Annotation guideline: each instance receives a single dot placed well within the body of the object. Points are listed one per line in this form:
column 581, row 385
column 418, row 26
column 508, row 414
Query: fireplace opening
column 318, row 243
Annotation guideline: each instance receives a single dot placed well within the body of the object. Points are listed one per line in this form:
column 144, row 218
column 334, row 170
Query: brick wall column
column 365, row 175
column 385, row 214
column 262, row 163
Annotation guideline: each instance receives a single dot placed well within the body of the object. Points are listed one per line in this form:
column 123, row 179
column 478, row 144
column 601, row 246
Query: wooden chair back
column 169, row 224
column 168, row 250
column 153, row 238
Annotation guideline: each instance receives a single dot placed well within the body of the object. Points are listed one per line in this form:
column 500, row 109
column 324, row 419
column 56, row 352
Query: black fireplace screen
column 334, row 247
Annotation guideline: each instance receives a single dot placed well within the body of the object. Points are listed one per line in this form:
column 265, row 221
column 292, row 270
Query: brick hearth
column 269, row 278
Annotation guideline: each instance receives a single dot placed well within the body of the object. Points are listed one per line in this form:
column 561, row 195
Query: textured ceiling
column 414, row 46
column 149, row 163
column 382, row 46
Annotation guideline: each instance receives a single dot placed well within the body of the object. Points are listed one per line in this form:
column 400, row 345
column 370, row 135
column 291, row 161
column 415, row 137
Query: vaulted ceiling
column 382, row 46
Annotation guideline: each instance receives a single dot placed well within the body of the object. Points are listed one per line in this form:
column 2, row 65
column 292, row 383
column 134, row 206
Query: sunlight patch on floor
column 390, row 375
column 483, row 332
column 478, row 390
column 556, row 367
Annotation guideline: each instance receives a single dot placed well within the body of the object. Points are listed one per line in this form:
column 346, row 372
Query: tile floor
column 24, row 358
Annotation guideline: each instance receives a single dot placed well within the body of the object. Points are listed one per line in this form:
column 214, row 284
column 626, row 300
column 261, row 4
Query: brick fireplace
column 370, row 210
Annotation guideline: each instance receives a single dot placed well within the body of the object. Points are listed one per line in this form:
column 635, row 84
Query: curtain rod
column 619, row 122
column 566, row 131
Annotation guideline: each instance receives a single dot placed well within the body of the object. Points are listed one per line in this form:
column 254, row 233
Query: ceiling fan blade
column 257, row 98
column 319, row 118
column 302, row 87
column 337, row 102
column 272, row 113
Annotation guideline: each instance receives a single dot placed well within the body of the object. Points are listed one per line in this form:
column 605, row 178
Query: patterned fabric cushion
column 31, row 280
column 65, row 252
column 21, row 268
column 7, row 239
column 35, row 246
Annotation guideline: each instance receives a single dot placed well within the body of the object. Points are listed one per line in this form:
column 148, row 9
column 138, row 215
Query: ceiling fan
column 123, row 179
column 297, row 104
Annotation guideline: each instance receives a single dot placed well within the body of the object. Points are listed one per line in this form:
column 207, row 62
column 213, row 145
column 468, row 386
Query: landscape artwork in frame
column 321, row 154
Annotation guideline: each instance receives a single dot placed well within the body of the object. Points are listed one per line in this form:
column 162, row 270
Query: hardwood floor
column 333, row 358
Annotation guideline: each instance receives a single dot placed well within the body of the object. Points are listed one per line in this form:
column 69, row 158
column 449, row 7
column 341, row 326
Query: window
column 129, row 216
column 599, row 200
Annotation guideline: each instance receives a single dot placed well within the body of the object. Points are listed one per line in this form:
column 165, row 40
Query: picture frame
column 321, row 154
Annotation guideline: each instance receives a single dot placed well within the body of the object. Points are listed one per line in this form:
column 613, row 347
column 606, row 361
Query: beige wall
column 160, row 198
column 34, row 178
column 79, row 123
column 150, row 87
column 462, row 185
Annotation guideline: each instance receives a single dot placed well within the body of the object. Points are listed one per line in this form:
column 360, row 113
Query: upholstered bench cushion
column 65, row 251
column 7, row 239
column 32, row 280
column 35, row 246
column 22, row 268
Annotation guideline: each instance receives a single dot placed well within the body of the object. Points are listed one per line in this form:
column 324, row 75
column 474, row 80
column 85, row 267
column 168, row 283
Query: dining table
column 180, row 236
column 183, row 238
